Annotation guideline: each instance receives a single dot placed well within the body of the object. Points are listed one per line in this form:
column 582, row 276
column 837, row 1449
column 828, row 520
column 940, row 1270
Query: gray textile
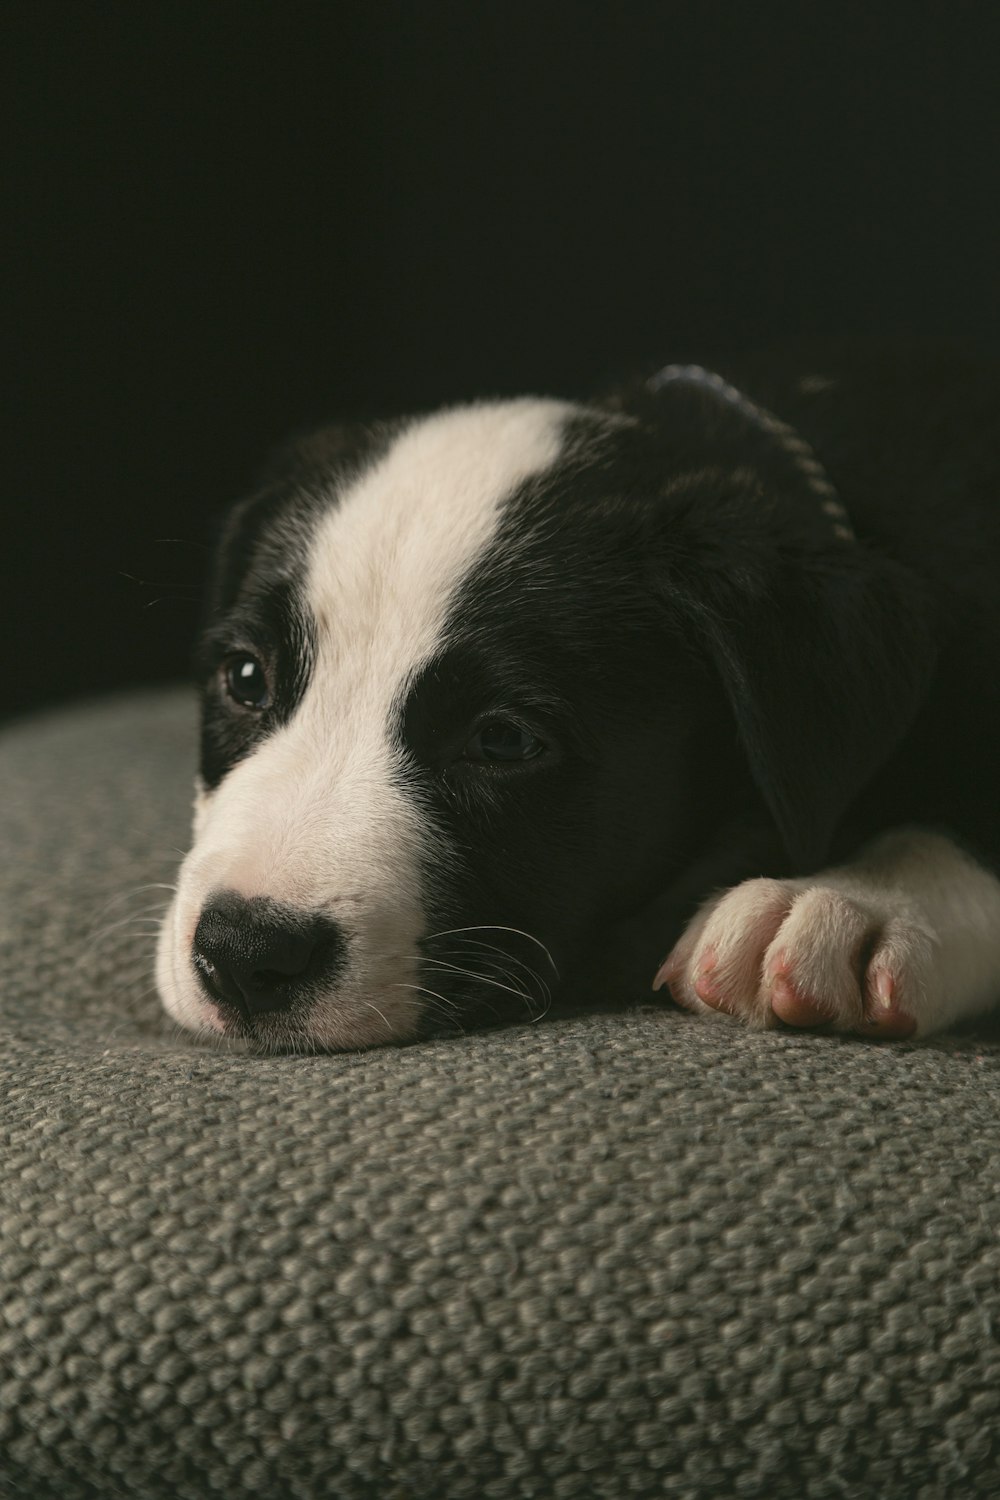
column 611, row 1255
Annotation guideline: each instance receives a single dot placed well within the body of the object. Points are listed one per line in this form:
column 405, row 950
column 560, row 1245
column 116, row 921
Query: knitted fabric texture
column 626, row 1253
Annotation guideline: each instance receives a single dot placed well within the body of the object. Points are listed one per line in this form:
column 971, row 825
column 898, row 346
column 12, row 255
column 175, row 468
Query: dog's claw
column 662, row 977
column 883, row 1014
column 670, row 976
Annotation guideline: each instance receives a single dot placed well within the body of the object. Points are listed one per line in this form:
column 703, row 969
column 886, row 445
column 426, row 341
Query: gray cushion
column 612, row 1255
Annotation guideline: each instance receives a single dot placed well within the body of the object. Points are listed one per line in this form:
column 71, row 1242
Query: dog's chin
column 322, row 1027
column 278, row 1034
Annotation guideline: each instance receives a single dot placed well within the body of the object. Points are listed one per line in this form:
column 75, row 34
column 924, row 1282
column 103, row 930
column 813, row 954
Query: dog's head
column 477, row 684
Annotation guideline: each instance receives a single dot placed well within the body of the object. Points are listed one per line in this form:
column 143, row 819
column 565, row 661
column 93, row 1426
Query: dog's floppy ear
column 307, row 465
column 825, row 656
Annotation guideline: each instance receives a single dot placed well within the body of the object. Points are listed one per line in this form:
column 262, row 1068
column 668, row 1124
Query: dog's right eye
column 502, row 742
column 246, row 681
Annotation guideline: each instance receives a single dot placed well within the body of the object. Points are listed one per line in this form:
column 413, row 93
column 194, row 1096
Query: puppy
column 505, row 702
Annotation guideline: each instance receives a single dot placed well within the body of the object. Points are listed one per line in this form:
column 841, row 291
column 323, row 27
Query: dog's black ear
column 316, row 457
column 309, row 465
column 825, row 657
column 823, row 647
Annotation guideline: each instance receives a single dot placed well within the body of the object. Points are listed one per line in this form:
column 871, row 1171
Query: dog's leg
column 903, row 941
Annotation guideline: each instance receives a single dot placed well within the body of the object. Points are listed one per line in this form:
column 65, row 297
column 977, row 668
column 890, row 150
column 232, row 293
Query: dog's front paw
column 806, row 954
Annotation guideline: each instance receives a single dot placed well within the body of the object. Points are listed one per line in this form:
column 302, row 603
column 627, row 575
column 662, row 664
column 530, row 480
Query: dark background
column 224, row 221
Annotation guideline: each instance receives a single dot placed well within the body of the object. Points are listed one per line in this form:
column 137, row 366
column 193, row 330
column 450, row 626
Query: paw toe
column 794, row 1005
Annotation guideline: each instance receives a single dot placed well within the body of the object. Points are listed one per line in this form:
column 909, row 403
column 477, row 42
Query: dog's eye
column 502, row 741
column 246, row 681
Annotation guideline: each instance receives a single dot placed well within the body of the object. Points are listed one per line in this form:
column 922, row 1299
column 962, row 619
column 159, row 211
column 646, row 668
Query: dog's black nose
column 260, row 956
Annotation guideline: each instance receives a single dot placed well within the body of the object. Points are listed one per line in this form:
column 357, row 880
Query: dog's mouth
column 274, row 980
column 315, row 1027
column 268, row 1004
column 267, row 1034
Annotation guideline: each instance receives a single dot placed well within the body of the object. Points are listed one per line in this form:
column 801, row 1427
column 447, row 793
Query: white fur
column 315, row 817
column 912, row 904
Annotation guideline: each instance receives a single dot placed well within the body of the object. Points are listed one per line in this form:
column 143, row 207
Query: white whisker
column 435, row 963
column 496, row 927
column 375, row 1008
column 508, row 958
column 448, row 1010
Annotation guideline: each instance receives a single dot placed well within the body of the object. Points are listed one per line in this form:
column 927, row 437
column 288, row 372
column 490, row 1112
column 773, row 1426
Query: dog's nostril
column 263, row 977
column 259, row 956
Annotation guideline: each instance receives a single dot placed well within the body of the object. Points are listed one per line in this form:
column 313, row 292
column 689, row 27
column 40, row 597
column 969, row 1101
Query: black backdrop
column 223, row 221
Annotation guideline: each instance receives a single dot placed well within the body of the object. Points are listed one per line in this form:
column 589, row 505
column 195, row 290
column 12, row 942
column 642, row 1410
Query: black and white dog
column 522, row 694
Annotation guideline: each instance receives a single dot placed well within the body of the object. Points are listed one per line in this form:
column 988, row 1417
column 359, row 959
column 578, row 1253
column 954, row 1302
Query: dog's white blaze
column 316, row 817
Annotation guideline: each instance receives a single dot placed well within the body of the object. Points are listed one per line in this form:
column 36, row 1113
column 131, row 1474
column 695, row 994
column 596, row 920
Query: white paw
column 808, row 953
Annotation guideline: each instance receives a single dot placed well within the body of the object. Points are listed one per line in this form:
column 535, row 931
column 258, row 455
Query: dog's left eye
column 501, row 741
column 246, row 681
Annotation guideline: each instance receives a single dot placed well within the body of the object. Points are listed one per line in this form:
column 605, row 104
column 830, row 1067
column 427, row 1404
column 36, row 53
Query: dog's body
column 502, row 693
